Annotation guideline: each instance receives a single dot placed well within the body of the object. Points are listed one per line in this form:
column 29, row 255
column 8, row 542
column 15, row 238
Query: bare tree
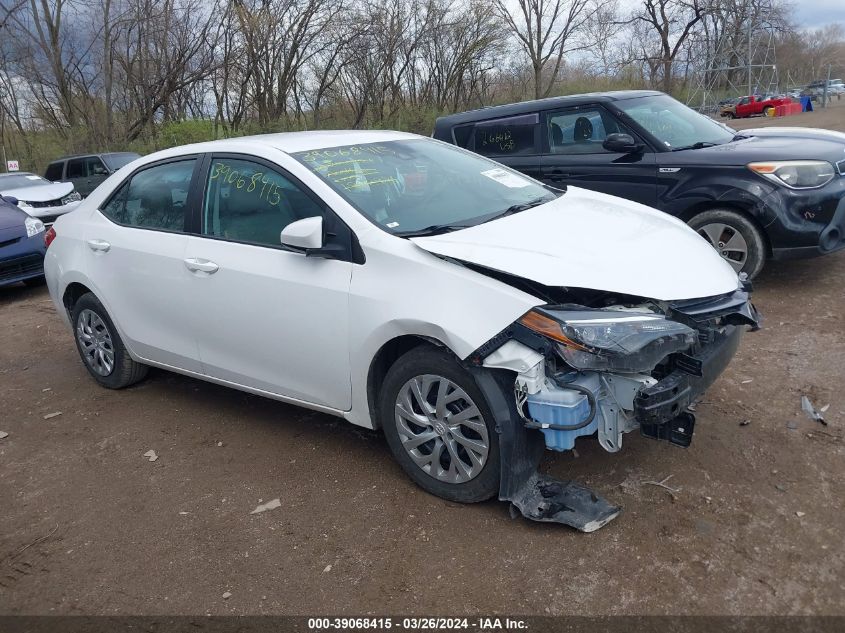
column 673, row 22
column 548, row 30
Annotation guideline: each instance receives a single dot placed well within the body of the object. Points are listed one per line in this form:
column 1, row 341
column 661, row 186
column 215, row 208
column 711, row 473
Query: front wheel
column 439, row 427
column 735, row 237
column 100, row 347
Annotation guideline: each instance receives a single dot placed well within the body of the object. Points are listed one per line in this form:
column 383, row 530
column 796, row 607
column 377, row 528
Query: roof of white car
column 291, row 142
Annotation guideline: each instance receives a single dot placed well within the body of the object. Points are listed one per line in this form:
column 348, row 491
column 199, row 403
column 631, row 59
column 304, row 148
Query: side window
column 462, row 135
column 506, row 137
column 248, row 202
column 76, row 168
column 96, row 167
column 54, row 172
column 155, row 198
column 581, row 131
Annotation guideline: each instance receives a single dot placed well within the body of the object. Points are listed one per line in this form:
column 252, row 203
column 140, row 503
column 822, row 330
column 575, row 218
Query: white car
column 40, row 198
column 401, row 283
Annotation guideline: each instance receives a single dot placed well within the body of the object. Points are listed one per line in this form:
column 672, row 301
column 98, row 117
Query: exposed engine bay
column 609, row 366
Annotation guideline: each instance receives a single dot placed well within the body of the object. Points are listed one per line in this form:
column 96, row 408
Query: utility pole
column 3, row 137
column 826, row 84
column 750, row 24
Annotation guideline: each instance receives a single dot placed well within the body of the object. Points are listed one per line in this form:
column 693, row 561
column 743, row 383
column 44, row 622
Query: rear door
column 136, row 249
column 575, row 155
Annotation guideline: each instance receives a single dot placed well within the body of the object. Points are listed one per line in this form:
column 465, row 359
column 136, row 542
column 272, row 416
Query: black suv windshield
column 674, row 124
column 418, row 186
column 118, row 159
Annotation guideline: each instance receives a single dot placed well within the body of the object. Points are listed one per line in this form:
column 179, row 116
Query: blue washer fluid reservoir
column 568, row 407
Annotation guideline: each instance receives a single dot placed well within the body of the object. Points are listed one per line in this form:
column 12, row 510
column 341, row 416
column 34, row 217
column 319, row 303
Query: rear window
column 463, row 134
column 508, row 136
column 54, row 171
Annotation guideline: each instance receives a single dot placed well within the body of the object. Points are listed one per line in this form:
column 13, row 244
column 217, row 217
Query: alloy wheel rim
column 728, row 242
column 95, row 342
column 442, row 429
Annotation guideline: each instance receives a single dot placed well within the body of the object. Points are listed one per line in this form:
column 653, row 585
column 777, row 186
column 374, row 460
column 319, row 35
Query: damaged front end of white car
column 606, row 366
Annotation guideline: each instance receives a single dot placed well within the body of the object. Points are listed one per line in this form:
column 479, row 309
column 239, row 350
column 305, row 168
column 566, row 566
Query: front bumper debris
column 536, row 496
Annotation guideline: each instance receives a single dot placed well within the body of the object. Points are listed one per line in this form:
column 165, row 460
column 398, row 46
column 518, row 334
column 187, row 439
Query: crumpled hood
column 591, row 240
column 40, row 193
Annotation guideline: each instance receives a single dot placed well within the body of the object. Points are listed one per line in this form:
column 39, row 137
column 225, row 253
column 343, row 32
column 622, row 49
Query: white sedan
column 471, row 313
column 40, row 198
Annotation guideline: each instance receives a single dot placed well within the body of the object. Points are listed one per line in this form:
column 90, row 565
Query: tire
column 730, row 233
column 474, row 476
column 97, row 342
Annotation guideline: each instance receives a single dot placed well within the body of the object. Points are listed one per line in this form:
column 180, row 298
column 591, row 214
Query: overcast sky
column 817, row 13
column 810, row 14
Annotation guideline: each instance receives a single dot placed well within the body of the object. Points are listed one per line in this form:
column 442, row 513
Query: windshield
column 674, row 124
column 118, row 160
column 417, row 185
column 17, row 181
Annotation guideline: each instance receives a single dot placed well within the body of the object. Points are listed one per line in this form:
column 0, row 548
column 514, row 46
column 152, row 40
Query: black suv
column 87, row 171
column 774, row 192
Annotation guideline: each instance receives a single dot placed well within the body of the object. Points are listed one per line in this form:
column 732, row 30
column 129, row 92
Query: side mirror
column 11, row 200
column 306, row 233
column 621, row 144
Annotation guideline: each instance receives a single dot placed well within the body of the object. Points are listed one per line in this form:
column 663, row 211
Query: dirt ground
column 89, row 526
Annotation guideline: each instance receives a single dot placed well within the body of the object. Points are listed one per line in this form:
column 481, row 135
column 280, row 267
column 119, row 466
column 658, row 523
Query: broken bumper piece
column 543, row 498
column 536, row 496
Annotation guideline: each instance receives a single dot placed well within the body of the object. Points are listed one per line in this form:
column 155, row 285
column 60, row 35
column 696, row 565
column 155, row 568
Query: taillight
column 49, row 236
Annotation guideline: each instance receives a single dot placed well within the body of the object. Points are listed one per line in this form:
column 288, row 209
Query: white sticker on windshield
column 392, row 225
column 506, row 178
column 33, row 177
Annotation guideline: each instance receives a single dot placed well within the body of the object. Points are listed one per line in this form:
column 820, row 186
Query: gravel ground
column 90, row 526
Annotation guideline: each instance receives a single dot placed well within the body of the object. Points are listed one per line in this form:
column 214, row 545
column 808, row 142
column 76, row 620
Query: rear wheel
column 439, row 427
column 735, row 237
column 100, row 347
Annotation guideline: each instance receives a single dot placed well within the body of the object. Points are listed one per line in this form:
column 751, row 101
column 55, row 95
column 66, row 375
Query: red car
column 752, row 105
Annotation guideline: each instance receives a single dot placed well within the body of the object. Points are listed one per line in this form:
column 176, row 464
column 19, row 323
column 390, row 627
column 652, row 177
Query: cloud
column 819, row 13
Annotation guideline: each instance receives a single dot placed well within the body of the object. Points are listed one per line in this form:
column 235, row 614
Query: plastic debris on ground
column 52, row 415
column 151, row 455
column 808, row 408
column 3, row 434
column 270, row 505
column 227, row 595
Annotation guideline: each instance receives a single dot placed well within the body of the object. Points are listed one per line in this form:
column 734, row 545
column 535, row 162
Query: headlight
column 73, row 196
column 796, row 174
column 610, row 340
column 23, row 204
column 34, row 226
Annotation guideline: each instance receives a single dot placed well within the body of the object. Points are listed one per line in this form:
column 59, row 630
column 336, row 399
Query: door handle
column 196, row 265
column 557, row 174
column 99, row 245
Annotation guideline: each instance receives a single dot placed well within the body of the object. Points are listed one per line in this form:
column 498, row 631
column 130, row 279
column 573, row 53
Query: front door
column 577, row 157
column 267, row 317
